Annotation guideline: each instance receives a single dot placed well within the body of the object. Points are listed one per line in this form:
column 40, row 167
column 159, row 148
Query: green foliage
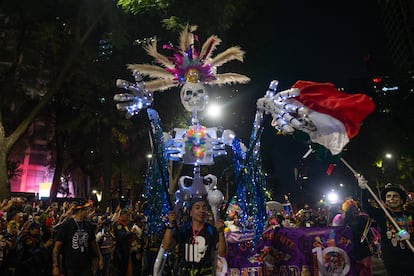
column 173, row 24
column 405, row 167
column 141, row 6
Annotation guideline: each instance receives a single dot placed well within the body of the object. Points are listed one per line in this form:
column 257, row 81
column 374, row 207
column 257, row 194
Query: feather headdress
column 187, row 64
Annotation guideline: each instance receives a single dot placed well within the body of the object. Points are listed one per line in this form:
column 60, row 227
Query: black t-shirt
column 76, row 238
column 196, row 250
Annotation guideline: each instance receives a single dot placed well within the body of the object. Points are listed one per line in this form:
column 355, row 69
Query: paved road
column 378, row 267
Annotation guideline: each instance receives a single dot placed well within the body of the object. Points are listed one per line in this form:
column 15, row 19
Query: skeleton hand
column 362, row 182
column 138, row 98
column 287, row 112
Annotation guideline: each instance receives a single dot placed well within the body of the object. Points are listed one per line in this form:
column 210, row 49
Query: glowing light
column 44, row 189
column 394, row 88
column 388, row 155
column 214, row 111
column 379, row 163
column 332, row 197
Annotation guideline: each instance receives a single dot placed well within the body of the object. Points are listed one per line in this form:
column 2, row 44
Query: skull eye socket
column 200, row 91
column 189, row 92
column 188, row 182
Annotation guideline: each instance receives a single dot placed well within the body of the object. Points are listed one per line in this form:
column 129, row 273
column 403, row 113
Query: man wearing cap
column 198, row 241
column 76, row 242
column 397, row 256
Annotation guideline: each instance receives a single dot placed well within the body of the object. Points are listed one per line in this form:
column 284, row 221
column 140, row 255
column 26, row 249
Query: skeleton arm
column 288, row 114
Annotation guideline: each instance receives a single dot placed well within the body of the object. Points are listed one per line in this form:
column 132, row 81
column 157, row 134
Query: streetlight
column 332, row 197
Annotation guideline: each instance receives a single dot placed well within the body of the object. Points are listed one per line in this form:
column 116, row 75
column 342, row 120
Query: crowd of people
column 78, row 238
column 74, row 237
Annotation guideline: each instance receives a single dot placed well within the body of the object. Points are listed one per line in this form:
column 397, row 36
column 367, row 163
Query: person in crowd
column 76, row 242
column 321, row 219
column 359, row 225
column 33, row 257
column 14, row 205
column 197, row 240
column 305, row 217
column 398, row 255
column 137, row 247
column 28, row 205
column 7, row 246
column 124, row 238
column 151, row 246
column 106, row 242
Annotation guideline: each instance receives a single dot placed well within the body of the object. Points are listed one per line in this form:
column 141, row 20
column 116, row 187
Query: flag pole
column 379, row 203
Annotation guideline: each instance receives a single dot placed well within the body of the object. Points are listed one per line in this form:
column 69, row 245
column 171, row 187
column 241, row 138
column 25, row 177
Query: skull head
column 200, row 248
column 194, row 97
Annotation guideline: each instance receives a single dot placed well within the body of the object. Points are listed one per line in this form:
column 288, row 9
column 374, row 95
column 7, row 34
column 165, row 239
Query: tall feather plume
column 153, row 71
column 229, row 78
column 187, row 37
column 160, row 84
column 209, row 46
column 228, row 55
column 151, row 49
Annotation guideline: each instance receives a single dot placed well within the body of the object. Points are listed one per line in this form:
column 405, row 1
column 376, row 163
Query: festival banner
column 315, row 251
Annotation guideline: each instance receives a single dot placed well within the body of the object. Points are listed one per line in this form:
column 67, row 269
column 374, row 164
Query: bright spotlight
column 332, row 197
column 388, row 155
column 214, row 110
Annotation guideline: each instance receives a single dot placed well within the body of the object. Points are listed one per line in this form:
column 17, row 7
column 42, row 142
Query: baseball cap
column 82, row 203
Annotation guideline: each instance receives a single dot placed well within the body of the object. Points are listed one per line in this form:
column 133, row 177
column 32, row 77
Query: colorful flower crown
column 189, row 65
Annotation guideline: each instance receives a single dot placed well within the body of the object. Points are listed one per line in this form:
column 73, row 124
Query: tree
column 35, row 37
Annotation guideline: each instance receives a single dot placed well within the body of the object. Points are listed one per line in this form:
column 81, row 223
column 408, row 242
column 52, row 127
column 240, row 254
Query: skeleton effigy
column 305, row 107
column 191, row 69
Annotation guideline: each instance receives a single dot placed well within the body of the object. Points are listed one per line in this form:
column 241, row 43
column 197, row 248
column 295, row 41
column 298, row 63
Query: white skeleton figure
column 288, row 114
column 137, row 98
column 194, row 97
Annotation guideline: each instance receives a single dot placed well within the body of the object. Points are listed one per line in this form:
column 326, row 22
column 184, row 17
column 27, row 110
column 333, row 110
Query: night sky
column 323, row 41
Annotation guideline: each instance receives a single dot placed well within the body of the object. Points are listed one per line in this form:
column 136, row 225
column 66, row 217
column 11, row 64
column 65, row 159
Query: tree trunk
column 107, row 164
column 58, row 166
column 4, row 179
